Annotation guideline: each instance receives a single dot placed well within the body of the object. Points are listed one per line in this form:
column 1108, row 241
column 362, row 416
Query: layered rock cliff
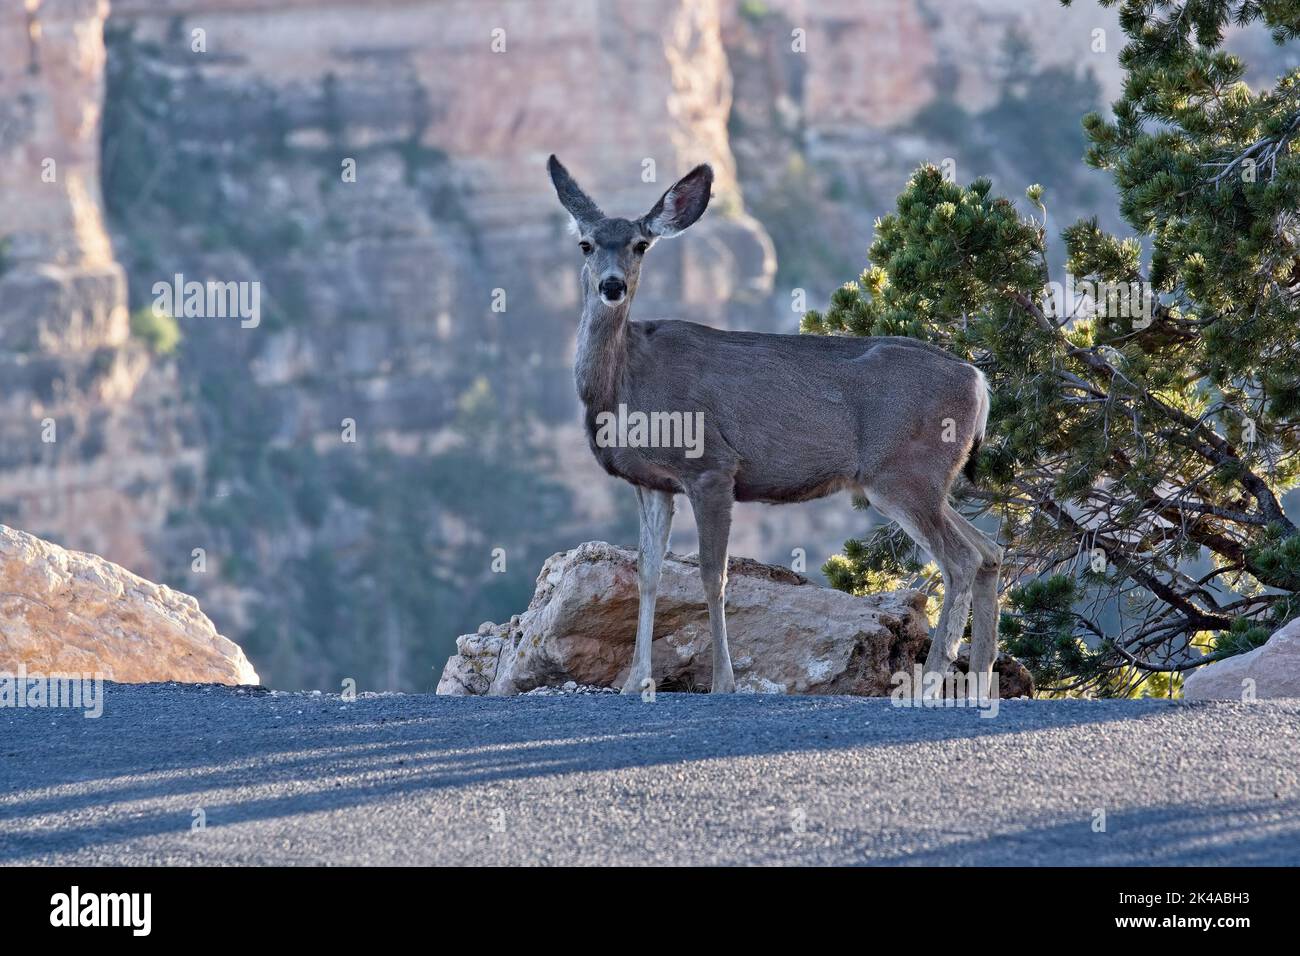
column 90, row 435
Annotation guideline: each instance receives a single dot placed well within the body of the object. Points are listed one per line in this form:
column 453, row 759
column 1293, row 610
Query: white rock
column 67, row 612
column 1274, row 667
column 787, row 635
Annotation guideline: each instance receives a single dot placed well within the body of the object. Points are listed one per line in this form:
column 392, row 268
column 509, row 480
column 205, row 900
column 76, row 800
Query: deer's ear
column 572, row 198
column 684, row 203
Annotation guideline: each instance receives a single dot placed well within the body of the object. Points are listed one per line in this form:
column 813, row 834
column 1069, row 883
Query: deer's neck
column 601, row 359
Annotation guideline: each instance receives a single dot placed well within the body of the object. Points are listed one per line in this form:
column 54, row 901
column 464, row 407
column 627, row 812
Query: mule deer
column 786, row 418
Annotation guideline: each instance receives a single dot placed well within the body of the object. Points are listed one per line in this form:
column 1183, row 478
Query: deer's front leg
column 711, row 500
column 656, row 522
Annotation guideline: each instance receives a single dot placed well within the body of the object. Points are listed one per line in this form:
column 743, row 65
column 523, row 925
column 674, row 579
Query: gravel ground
column 174, row 774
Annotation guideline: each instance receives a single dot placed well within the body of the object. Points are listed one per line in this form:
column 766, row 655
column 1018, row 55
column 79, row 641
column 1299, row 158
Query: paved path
column 416, row 779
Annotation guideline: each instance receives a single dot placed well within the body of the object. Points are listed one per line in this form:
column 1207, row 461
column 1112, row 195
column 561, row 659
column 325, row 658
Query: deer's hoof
column 933, row 681
column 637, row 683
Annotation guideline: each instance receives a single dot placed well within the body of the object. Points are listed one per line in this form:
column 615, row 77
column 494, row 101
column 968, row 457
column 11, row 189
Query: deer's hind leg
column 925, row 519
column 984, row 616
column 656, row 510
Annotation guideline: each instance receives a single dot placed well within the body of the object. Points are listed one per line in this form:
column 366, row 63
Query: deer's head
column 614, row 247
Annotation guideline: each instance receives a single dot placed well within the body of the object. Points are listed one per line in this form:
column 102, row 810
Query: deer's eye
column 641, row 247
column 585, row 246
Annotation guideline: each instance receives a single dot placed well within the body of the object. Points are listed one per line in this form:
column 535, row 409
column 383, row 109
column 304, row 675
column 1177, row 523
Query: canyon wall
column 89, row 435
column 377, row 170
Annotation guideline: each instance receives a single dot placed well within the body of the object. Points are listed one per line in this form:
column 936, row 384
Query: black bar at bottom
column 332, row 905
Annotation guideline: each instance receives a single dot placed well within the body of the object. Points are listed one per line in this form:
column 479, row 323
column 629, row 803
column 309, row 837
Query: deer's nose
column 612, row 288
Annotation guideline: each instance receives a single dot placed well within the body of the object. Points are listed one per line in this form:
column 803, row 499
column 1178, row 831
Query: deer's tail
column 969, row 470
column 981, row 425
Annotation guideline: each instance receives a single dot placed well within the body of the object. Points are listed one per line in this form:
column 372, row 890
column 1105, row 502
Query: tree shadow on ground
column 170, row 743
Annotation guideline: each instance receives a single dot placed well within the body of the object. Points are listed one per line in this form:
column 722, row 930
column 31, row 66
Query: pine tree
column 1141, row 437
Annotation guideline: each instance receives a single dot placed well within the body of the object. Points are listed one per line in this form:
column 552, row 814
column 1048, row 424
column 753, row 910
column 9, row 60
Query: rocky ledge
column 788, row 635
column 1270, row 670
column 67, row 612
